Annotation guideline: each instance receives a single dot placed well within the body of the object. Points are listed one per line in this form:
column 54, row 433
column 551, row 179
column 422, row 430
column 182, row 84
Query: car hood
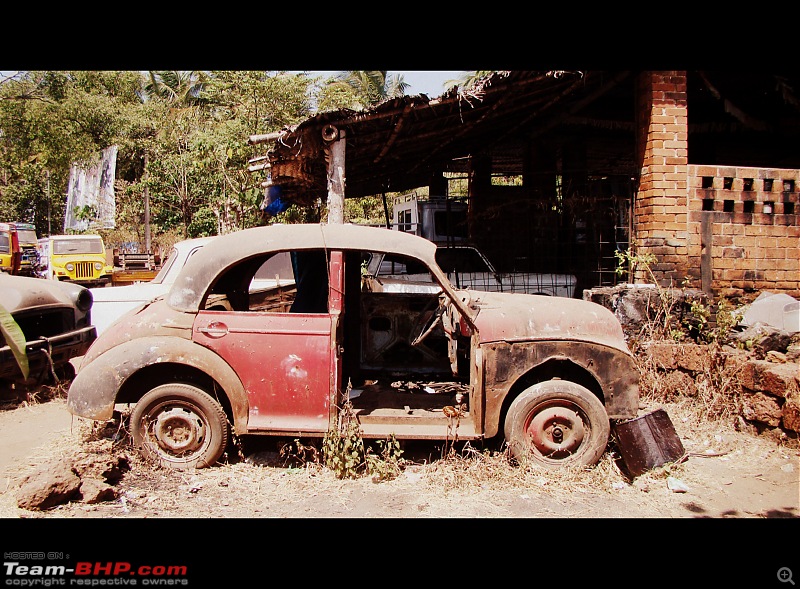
column 521, row 317
column 18, row 293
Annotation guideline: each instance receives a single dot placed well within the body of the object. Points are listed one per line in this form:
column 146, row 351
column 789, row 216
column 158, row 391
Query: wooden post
column 147, row 248
column 335, row 146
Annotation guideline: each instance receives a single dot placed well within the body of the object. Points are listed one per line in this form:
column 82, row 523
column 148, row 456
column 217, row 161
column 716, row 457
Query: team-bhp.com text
column 101, row 573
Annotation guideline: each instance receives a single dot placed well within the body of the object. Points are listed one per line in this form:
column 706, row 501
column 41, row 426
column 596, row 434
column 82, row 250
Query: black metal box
column 647, row 442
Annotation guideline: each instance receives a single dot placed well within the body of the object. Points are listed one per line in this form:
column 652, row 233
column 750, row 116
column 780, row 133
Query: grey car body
column 55, row 318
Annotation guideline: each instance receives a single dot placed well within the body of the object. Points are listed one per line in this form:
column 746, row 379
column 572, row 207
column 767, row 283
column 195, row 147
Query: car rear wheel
column 180, row 427
column 557, row 423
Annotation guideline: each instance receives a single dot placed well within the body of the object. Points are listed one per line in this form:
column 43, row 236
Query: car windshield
column 78, row 246
column 168, row 263
column 460, row 260
column 27, row 236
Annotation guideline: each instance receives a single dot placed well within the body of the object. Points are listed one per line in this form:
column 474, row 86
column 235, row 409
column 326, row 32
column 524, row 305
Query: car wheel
column 180, row 427
column 555, row 423
column 65, row 372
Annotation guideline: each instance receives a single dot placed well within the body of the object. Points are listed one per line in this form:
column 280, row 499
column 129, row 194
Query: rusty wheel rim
column 178, row 431
column 556, row 430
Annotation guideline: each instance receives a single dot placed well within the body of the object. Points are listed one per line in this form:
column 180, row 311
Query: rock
column 776, row 357
column 672, row 355
column 780, row 379
column 763, row 338
column 677, row 485
column 761, row 407
column 791, row 411
column 96, row 491
column 111, row 470
column 636, row 305
column 679, row 383
column 741, row 425
column 50, row 485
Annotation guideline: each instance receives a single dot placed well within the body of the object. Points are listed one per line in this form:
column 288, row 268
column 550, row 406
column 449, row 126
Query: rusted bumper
column 57, row 349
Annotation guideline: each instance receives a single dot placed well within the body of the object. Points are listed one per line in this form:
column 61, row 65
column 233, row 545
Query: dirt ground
column 726, row 474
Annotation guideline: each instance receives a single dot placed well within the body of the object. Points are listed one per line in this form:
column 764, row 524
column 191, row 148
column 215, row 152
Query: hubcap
column 179, row 431
column 556, row 432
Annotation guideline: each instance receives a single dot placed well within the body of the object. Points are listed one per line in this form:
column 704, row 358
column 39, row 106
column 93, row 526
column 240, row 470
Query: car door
column 285, row 360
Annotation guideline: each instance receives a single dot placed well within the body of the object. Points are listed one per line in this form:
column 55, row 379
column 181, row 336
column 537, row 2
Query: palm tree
column 178, row 88
column 373, row 86
column 468, row 80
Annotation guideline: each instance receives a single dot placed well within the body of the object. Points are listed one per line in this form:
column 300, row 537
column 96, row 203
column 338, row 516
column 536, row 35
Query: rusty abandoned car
column 55, row 318
column 216, row 358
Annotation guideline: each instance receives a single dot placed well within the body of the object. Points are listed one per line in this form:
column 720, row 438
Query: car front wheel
column 180, row 427
column 556, row 423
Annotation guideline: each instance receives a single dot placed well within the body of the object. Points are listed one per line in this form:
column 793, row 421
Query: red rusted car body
column 219, row 356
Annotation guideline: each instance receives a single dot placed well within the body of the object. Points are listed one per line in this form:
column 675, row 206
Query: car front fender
column 94, row 390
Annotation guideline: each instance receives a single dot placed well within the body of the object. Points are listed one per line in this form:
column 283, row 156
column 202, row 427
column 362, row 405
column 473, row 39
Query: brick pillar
column 660, row 212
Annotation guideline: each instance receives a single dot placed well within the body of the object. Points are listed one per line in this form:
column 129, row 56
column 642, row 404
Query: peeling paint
column 290, row 366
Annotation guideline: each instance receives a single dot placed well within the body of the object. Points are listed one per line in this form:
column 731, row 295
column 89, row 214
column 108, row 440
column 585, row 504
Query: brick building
column 698, row 168
column 728, row 228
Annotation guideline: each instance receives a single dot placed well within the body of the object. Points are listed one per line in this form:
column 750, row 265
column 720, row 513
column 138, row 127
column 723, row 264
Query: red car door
column 286, row 361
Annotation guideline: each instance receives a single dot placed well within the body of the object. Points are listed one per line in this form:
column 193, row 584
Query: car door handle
column 214, row 329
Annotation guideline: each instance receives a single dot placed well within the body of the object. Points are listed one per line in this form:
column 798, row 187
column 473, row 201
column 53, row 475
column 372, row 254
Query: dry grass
column 431, row 481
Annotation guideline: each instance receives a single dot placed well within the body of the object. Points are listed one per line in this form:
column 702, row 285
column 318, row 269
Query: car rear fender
column 95, row 390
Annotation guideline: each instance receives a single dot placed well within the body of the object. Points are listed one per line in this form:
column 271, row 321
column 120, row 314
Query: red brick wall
column 709, row 224
column 743, row 227
column 660, row 208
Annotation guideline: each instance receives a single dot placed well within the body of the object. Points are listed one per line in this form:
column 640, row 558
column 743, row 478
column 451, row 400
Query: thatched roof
column 403, row 143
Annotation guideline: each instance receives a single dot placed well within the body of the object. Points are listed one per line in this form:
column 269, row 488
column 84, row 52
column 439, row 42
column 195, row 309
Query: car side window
column 283, row 282
column 393, row 265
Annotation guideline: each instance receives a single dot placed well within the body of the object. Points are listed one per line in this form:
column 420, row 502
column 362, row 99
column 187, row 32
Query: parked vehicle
column 467, row 267
column 111, row 302
column 545, row 374
column 75, row 258
column 444, row 222
column 438, row 219
column 56, row 321
column 18, row 253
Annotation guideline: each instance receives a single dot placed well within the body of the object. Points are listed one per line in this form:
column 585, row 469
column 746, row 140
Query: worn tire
column 557, row 423
column 180, row 427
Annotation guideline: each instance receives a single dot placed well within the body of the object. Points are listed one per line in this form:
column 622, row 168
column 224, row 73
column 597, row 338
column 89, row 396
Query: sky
column 431, row 82
column 428, row 82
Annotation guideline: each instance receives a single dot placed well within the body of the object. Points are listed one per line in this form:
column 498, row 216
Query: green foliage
column 15, row 339
column 662, row 322
column 387, row 465
column 203, row 224
column 361, row 89
column 367, row 210
column 343, row 448
column 344, row 451
column 699, row 324
column 182, row 136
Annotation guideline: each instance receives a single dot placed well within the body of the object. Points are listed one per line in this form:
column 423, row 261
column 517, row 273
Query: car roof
column 204, row 266
column 76, row 236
